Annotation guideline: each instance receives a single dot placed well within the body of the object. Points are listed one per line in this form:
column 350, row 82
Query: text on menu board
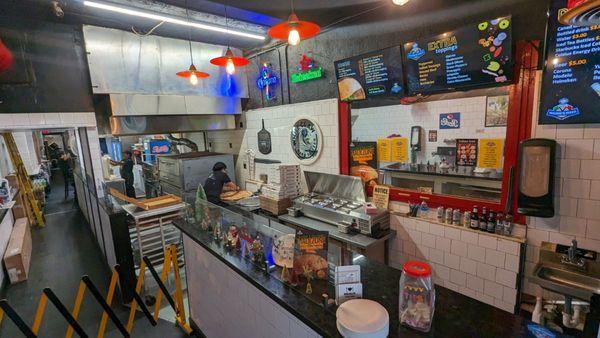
column 472, row 56
column 373, row 74
column 571, row 81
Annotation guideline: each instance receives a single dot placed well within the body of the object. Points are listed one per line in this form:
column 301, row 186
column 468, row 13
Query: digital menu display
column 473, row 56
column 571, row 80
column 373, row 74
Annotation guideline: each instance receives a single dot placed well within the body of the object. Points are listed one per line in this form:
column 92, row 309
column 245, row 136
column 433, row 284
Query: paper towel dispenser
column 536, row 177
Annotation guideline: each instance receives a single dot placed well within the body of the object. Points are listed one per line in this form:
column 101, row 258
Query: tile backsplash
column 372, row 123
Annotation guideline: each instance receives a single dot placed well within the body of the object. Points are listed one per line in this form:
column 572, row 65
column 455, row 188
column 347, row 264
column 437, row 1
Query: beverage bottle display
column 483, row 220
column 500, row 224
column 491, row 222
column 475, row 218
column 508, row 225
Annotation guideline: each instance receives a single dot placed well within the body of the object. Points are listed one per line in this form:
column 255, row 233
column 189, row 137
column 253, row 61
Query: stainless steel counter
column 357, row 240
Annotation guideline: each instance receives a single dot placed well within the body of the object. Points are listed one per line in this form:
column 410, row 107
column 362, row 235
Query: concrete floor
column 62, row 252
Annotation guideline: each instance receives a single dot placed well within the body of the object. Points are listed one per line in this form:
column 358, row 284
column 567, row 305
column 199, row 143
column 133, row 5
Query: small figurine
column 284, row 274
column 217, row 233
column 308, row 274
column 258, row 256
column 232, row 238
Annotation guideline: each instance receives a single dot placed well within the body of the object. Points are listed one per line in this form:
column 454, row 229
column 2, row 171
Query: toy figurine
column 217, row 232
column 257, row 250
column 308, row 274
column 232, row 238
column 284, row 274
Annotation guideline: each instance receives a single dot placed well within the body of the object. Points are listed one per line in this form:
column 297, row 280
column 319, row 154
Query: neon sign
column 308, row 71
column 267, row 80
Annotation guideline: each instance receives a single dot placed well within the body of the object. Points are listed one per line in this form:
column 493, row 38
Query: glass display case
column 270, row 247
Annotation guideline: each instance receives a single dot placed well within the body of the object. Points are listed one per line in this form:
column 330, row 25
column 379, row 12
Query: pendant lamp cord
column 187, row 15
column 292, row 5
column 227, row 26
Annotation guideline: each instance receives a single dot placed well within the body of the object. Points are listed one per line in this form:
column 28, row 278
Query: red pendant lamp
column 191, row 73
column 293, row 30
column 229, row 61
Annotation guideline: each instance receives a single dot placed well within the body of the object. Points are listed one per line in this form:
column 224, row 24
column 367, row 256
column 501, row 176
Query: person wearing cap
column 217, row 183
column 127, row 172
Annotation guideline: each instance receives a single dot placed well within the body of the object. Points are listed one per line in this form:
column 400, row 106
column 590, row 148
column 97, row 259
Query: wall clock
column 306, row 140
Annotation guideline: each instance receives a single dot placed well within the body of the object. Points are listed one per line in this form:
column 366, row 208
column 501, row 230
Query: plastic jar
column 417, row 296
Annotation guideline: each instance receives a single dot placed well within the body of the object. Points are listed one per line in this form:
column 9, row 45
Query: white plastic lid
column 362, row 318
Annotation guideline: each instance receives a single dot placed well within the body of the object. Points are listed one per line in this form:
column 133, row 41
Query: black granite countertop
column 455, row 314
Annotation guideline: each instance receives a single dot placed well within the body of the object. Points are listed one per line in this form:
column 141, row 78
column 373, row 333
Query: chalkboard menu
column 571, row 81
column 373, row 74
column 477, row 55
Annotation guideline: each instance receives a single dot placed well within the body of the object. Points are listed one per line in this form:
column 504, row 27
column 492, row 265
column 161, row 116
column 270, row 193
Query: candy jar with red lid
column 417, row 296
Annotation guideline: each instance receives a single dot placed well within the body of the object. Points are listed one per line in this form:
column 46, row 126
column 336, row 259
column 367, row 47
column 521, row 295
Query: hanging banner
column 466, row 152
column 490, row 153
column 399, row 149
column 384, row 149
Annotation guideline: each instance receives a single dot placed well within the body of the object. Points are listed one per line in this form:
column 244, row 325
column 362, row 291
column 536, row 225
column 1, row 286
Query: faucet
column 571, row 257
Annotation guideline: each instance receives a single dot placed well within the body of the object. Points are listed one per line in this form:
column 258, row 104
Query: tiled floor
column 62, row 252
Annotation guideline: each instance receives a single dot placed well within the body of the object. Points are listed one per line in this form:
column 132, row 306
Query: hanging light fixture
column 229, row 61
column 191, row 73
column 293, row 30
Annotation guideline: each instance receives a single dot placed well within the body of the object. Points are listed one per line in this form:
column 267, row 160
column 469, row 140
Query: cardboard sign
column 399, row 149
column 466, row 152
column 363, row 161
column 384, row 149
column 381, row 196
column 490, row 153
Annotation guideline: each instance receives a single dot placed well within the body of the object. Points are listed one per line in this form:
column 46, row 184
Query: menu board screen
column 571, row 81
column 473, row 56
column 373, row 74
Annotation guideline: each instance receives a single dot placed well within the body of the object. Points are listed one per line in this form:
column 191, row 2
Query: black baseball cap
column 219, row 166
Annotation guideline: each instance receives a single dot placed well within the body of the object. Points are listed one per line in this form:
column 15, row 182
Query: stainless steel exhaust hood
column 145, row 125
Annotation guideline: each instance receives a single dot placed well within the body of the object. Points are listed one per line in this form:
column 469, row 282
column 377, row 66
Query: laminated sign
column 490, row 153
column 399, row 149
column 384, row 149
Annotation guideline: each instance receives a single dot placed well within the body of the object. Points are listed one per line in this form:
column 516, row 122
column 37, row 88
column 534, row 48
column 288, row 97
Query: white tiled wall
column 478, row 265
column 26, row 146
column 577, row 193
column 223, row 304
column 46, row 120
column 373, row 123
column 279, row 121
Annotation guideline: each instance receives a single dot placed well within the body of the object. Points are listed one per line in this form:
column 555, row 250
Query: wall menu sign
column 466, row 152
column 477, row 55
column 571, row 80
column 372, row 74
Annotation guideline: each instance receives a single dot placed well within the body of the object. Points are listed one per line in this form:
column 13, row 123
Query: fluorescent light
column 134, row 12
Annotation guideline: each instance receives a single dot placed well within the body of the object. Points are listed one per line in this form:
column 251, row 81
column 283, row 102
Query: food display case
column 270, row 247
column 461, row 182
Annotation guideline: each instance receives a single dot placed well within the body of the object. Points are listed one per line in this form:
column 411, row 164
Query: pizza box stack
column 284, row 182
column 283, row 185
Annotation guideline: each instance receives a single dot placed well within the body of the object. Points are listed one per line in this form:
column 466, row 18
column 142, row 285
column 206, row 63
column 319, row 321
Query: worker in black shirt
column 217, row 183
column 127, row 173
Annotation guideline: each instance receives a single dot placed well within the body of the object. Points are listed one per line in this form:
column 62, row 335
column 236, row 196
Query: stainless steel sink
column 552, row 273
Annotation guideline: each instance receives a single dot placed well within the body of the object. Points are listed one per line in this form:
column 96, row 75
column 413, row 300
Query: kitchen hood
column 145, row 125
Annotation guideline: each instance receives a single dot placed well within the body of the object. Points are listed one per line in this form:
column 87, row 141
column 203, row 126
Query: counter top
column 491, row 177
column 357, row 240
column 455, row 315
